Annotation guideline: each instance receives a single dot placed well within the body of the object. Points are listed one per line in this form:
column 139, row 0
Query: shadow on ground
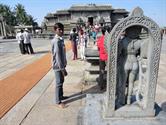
column 95, row 89
column 160, row 109
column 82, row 94
column 163, row 106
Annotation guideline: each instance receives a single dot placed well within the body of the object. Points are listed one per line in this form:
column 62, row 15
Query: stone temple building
column 85, row 14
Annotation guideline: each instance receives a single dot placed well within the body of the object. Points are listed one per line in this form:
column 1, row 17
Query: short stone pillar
column 132, row 69
column 91, row 72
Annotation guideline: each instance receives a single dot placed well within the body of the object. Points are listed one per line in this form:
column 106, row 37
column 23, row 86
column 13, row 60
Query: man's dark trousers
column 59, row 80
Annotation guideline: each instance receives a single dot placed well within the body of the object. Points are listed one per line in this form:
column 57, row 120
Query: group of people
column 59, row 61
column 24, row 40
column 79, row 39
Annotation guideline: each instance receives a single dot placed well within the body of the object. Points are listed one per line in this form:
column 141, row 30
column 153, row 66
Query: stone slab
column 93, row 115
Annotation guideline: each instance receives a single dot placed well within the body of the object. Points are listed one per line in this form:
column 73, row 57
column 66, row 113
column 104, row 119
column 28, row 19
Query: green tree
column 20, row 14
column 16, row 17
column 22, row 17
column 7, row 14
column 8, row 17
column 31, row 21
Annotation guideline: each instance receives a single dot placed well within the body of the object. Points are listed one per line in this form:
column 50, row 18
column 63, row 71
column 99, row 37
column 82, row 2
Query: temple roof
column 62, row 12
column 87, row 7
column 91, row 7
column 50, row 15
column 119, row 11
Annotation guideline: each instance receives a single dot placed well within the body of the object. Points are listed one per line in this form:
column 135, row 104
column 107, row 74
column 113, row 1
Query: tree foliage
column 18, row 16
column 8, row 15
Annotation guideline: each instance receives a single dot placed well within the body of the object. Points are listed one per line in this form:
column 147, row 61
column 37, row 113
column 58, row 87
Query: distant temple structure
column 90, row 14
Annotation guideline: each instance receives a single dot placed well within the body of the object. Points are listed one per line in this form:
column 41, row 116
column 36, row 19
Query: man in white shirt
column 27, row 42
column 20, row 39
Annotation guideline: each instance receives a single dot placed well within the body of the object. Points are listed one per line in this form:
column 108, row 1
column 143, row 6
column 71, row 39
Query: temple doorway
column 90, row 20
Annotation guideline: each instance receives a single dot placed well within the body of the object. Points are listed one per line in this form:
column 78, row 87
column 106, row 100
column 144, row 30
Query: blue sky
column 155, row 9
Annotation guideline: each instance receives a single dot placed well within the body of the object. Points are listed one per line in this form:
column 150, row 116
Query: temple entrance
column 90, row 20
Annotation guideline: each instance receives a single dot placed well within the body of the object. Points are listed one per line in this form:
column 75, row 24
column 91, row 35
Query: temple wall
column 96, row 16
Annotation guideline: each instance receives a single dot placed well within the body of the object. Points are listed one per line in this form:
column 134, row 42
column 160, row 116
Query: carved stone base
column 93, row 114
column 91, row 73
column 90, row 78
column 131, row 111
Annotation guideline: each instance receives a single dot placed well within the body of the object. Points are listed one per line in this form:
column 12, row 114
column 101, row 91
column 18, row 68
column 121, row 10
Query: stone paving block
column 52, row 115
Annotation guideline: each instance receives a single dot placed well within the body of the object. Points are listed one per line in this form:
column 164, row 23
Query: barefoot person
column 59, row 63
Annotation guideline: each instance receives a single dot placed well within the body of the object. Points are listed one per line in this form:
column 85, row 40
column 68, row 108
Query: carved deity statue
column 129, row 51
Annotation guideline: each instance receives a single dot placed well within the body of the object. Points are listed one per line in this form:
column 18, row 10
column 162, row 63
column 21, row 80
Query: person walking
column 94, row 36
column 74, row 40
column 27, row 42
column 59, row 63
column 20, row 39
column 82, row 39
column 86, row 39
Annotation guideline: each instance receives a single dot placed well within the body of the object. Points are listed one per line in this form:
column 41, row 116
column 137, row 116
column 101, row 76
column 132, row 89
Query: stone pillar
column 4, row 29
column 1, row 28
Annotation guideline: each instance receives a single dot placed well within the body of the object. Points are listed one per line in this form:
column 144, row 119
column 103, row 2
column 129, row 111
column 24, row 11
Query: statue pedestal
column 93, row 114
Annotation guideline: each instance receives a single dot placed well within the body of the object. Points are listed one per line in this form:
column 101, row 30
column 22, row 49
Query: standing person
column 27, row 42
column 74, row 39
column 86, row 39
column 94, row 36
column 20, row 39
column 98, row 32
column 89, row 31
column 103, row 58
column 59, row 63
column 82, row 39
column 162, row 32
